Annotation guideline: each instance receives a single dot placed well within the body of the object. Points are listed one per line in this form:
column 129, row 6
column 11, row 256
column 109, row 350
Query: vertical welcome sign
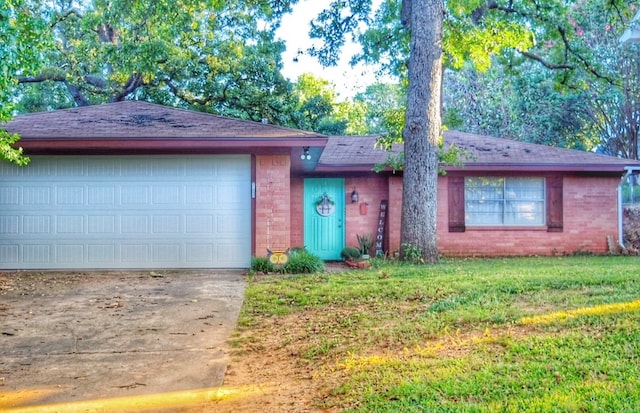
column 382, row 221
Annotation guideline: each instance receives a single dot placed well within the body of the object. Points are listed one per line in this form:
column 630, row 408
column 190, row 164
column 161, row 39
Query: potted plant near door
column 352, row 258
column 365, row 243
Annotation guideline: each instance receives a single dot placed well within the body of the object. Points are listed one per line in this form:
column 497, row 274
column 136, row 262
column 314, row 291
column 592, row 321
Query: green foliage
column 316, row 107
column 385, row 41
column 466, row 41
column 303, row 262
column 553, row 74
column 8, row 151
column 526, row 108
column 297, row 250
column 365, row 243
column 453, row 118
column 473, row 33
column 411, row 253
column 352, row 116
column 576, row 87
column 262, row 264
column 384, row 105
column 630, row 192
column 300, row 262
column 451, row 155
column 394, row 161
column 350, row 253
column 23, row 39
column 333, row 28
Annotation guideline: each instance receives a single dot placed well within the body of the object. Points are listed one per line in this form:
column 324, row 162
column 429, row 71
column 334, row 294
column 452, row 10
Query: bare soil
column 270, row 376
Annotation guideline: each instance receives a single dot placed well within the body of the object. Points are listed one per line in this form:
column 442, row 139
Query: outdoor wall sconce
column 305, row 154
column 354, row 195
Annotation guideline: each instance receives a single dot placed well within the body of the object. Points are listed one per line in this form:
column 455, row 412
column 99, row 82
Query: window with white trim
column 497, row 201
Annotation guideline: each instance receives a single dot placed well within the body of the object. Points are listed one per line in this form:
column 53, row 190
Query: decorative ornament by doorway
column 325, row 205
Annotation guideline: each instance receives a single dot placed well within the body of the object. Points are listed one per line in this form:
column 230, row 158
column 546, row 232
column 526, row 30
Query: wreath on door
column 325, row 205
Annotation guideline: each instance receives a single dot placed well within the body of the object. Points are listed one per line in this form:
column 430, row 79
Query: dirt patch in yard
column 268, row 371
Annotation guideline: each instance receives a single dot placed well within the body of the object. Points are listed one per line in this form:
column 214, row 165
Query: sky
column 294, row 30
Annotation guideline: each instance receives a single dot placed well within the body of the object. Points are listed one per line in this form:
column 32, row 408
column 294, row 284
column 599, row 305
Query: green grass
column 452, row 337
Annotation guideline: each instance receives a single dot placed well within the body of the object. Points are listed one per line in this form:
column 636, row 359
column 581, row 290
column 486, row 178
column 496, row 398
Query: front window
column 495, row 201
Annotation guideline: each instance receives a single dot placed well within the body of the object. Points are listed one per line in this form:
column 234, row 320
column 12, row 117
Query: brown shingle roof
column 487, row 153
column 136, row 119
column 350, row 151
column 137, row 127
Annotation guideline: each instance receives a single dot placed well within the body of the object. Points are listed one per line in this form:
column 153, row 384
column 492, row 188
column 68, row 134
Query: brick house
column 138, row 185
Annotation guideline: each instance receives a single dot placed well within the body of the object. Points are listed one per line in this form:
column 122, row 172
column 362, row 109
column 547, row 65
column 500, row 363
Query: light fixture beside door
column 305, row 156
column 354, row 195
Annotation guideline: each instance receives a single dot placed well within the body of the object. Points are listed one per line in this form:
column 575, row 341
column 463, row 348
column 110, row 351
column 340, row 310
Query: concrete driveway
column 71, row 336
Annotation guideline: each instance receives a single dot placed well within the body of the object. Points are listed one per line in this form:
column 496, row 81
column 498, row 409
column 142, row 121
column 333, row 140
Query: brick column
column 273, row 203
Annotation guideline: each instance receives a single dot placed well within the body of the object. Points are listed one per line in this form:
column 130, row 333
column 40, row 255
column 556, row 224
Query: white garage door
column 126, row 212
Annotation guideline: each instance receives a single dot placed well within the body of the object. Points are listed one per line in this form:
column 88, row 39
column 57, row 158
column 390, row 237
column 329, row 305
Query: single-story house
column 138, row 185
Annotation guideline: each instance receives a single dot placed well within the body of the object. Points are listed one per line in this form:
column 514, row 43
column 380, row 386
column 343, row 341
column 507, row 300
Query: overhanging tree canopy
column 216, row 56
column 23, row 37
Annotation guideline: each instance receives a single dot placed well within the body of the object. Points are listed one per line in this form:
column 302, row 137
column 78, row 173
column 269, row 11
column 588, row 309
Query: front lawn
column 480, row 335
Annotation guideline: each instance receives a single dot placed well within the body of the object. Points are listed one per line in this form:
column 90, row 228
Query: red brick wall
column 590, row 215
column 371, row 190
column 273, row 203
column 297, row 213
column 589, row 204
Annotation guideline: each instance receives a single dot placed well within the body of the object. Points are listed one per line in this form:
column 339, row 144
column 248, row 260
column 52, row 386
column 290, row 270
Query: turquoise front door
column 324, row 217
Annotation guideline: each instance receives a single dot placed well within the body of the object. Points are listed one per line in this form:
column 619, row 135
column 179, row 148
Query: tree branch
column 76, row 94
column 546, row 64
column 134, row 82
column 581, row 59
column 42, row 77
column 568, row 49
column 107, row 34
column 184, row 96
column 65, row 15
column 96, row 81
column 60, row 77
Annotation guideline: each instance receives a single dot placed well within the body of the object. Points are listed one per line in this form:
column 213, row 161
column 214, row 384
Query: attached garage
column 189, row 211
column 134, row 185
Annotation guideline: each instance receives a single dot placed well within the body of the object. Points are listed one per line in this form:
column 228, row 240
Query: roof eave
column 70, row 145
column 344, row 168
column 492, row 167
column 528, row 167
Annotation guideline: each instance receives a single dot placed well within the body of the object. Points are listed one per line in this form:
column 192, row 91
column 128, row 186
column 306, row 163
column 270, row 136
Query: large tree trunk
column 422, row 130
